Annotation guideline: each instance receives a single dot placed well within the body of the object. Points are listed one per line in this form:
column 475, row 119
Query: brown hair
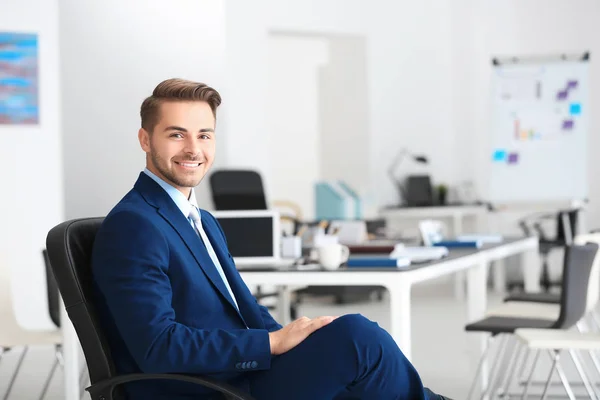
column 176, row 90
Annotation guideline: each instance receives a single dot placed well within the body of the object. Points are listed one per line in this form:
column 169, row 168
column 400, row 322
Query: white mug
column 331, row 256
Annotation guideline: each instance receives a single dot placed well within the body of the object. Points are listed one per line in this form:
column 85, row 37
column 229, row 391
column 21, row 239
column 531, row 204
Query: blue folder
column 376, row 262
column 336, row 200
column 453, row 244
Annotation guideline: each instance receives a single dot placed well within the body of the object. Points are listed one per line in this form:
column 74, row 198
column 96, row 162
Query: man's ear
column 144, row 138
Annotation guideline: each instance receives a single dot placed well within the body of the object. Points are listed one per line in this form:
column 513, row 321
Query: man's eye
column 177, row 135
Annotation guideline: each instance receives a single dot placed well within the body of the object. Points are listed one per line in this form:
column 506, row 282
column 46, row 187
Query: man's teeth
column 190, row 164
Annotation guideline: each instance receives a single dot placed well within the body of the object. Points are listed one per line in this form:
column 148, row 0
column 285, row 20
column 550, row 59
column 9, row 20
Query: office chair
column 528, row 298
column 52, row 291
column 13, row 336
column 577, row 266
column 236, row 189
column 566, row 228
column 240, row 189
column 69, row 249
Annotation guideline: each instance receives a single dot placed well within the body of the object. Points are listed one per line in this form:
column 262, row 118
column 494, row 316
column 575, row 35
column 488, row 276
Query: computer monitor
column 253, row 236
column 419, row 191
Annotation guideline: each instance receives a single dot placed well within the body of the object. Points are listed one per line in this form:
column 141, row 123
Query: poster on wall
column 18, row 79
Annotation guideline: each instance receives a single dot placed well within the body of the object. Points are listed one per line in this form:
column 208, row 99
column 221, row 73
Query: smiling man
column 170, row 299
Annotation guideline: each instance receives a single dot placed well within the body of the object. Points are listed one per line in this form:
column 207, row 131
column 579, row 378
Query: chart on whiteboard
column 538, row 107
column 539, row 130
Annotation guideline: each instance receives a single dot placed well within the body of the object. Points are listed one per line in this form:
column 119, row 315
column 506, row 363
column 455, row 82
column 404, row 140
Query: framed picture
column 19, row 98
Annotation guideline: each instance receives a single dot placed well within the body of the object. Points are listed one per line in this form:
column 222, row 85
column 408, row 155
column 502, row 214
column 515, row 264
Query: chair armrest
column 104, row 390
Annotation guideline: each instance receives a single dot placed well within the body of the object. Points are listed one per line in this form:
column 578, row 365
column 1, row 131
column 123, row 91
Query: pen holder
column 291, row 247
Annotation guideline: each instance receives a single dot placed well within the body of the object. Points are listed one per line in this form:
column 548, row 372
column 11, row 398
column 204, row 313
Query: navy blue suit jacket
column 162, row 303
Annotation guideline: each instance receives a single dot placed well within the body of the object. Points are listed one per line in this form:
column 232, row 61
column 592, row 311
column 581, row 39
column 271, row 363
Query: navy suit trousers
column 350, row 358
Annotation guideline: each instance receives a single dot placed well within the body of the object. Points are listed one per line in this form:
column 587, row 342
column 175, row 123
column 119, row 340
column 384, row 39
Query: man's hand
column 294, row 333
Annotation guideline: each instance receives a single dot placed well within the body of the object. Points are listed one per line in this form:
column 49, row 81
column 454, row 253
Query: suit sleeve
column 269, row 321
column 267, row 318
column 130, row 264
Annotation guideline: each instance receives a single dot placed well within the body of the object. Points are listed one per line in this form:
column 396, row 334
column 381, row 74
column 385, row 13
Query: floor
column 443, row 353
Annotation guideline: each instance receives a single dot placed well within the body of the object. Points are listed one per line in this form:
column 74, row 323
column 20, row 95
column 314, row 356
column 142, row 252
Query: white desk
column 456, row 214
column 398, row 282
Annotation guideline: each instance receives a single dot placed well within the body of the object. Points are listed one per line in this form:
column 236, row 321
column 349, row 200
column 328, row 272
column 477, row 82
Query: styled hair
column 176, row 90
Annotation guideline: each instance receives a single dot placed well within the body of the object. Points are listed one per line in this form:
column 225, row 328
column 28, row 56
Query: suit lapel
column 156, row 196
column 245, row 299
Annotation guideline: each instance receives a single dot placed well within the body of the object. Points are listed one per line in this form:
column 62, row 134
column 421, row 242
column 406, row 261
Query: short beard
column 158, row 163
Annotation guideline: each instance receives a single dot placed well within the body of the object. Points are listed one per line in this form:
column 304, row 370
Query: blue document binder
column 376, row 262
column 453, row 244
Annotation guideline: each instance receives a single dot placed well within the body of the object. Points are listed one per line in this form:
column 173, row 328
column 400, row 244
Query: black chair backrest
column 69, row 248
column 52, row 290
column 234, row 189
column 578, row 262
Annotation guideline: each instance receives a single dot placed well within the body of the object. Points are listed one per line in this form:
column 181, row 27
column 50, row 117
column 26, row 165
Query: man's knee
column 358, row 329
column 353, row 322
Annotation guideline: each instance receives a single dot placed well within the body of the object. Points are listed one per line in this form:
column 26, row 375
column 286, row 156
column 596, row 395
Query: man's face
column 181, row 148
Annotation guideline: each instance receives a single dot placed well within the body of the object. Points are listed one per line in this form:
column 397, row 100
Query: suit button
column 238, row 366
column 244, row 365
column 254, row 364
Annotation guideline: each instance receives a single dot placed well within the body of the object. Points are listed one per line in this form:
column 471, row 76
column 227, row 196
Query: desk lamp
column 400, row 157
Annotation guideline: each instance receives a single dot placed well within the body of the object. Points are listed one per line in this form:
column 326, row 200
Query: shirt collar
column 184, row 205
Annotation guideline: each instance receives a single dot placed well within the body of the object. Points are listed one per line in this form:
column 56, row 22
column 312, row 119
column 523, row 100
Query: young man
column 171, row 301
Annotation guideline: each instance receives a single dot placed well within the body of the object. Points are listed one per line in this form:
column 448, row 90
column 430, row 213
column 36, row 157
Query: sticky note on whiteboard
column 575, row 108
column 499, row 155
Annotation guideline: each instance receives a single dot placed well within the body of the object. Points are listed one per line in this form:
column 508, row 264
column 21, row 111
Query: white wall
column 536, row 27
column 343, row 107
column 427, row 67
column 113, row 55
column 30, row 158
column 248, row 27
column 293, row 117
column 410, row 65
column 427, row 70
column 322, row 16
column 247, row 142
column 408, row 76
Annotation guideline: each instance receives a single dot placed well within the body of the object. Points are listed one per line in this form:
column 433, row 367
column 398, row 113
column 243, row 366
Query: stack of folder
column 336, row 200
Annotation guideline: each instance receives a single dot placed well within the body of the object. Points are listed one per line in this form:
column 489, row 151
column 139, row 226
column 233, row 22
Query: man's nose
column 192, row 147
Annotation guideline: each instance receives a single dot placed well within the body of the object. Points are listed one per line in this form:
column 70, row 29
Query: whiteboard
column 540, row 117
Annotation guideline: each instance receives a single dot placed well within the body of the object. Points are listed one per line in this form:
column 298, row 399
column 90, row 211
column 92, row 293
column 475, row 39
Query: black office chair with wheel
column 69, row 248
column 566, row 229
